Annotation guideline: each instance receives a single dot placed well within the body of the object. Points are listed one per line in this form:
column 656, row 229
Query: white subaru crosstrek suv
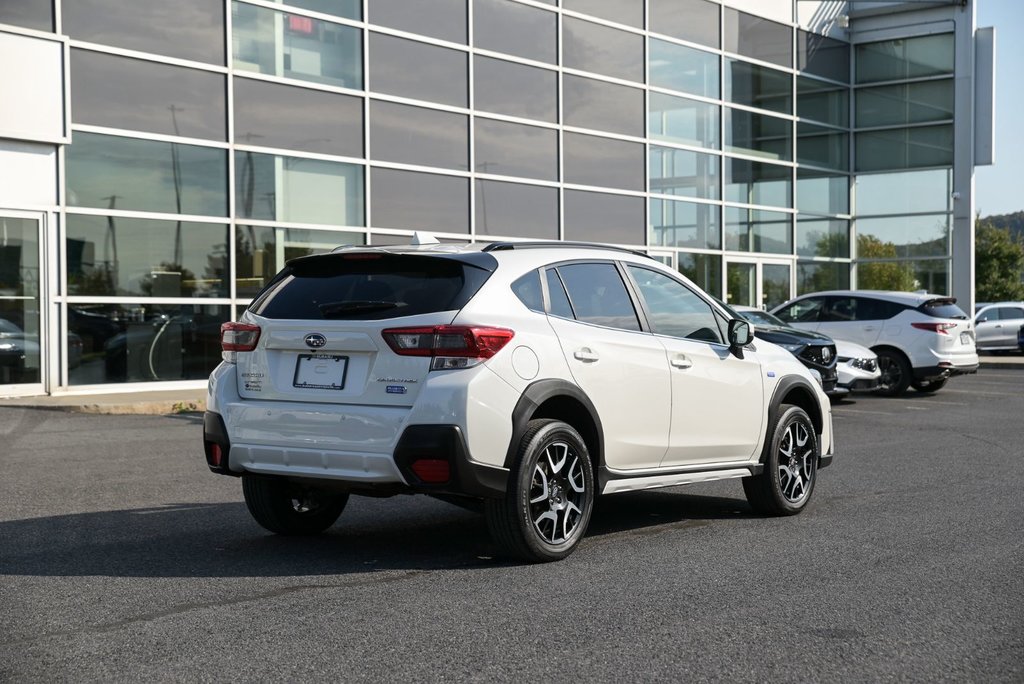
column 921, row 339
column 529, row 377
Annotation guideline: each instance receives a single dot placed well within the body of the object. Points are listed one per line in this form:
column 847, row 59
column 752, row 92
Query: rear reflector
column 216, row 456
column 939, row 328
column 239, row 337
column 448, row 340
column 432, row 470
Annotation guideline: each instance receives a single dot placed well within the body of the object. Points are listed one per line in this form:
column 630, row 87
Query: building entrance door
column 22, row 353
column 761, row 284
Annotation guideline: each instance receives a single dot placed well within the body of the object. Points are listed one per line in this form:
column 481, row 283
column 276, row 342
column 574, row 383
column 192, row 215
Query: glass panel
column 753, row 182
column 293, row 46
column 276, row 115
column 904, row 148
column 276, row 188
column 820, row 277
column 685, row 224
column 931, row 275
column 260, row 251
column 20, row 334
column 904, row 193
column 126, row 257
column 704, row 270
column 419, row 201
column 590, row 160
column 822, row 56
column 414, row 135
column 903, row 236
column 754, row 230
column 822, row 237
column 528, row 290
column 189, row 29
column 894, row 60
column 515, row 29
column 514, row 210
column 752, row 36
column 597, row 217
column 776, row 280
column 599, row 296
column 684, row 173
column 119, row 92
column 679, row 119
column 630, row 12
column 560, row 305
column 758, row 135
column 682, row 68
column 673, row 309
column 515, row 89
column 741, row 281
column 694, row 20
column 823, row 193
column 602, row 49
column 145, row 342
column 509, row 149
column 822, row 102
column 111, row 172
column 33, row 14
column 603, row 106
column 443, row 19
column 758, row 86
column 417, row 70
column 350, row 9
column 822, row 146
column 906, row 103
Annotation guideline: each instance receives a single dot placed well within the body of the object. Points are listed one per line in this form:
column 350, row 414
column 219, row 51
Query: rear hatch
column 321, row 319
column 954, row 327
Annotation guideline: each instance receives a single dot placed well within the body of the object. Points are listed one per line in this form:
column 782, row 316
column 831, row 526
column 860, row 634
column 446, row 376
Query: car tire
column 895, row 377
column 790, row 466
column 290, row 509
column 550, row 496
column 928, row 386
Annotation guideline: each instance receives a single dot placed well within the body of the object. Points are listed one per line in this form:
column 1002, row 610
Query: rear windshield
column 368, row 287
column 942, row 308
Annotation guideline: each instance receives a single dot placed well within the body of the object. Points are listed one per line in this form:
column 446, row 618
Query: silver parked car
column 996, row 325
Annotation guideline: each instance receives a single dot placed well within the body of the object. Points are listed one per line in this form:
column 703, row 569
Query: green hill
column 1014, row 222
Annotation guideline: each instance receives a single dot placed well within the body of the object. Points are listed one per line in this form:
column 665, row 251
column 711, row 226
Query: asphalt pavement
column 123, row 559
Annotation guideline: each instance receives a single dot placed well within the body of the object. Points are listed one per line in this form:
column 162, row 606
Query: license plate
column 965, row 338
column 320, row 371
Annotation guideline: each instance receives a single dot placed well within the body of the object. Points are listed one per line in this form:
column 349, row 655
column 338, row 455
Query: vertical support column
column 962, row 238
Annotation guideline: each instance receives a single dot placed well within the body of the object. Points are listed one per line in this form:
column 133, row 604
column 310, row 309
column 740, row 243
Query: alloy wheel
column 796, row 462
column 557, row 493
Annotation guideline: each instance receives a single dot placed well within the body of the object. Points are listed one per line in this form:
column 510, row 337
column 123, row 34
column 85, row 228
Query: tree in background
column 998, row 264
column 882, row 275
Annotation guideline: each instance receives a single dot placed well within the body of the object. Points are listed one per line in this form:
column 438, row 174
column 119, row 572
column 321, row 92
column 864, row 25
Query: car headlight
column 868, row 365
column 816, row 375
column 6, row 346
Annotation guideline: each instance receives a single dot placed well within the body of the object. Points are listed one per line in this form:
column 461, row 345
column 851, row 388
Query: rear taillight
column 451, row 346
column 236, row 337
column 939, row 328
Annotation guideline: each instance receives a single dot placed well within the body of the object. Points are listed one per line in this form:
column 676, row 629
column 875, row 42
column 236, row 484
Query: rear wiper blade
column 356, row 306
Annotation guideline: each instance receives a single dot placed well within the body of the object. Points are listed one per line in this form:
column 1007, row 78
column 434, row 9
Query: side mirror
column 983, row 319
column 740, row 333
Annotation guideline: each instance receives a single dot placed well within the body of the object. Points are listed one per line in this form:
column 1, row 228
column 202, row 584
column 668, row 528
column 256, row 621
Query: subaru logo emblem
column 315, row 340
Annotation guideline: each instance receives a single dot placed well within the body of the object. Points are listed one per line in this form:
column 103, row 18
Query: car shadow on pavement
column 221, row 540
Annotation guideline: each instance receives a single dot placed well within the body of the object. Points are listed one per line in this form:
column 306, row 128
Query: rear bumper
column 945, row 370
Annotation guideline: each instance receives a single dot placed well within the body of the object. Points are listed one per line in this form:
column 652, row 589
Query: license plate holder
column 320, row 371
column 965, row 338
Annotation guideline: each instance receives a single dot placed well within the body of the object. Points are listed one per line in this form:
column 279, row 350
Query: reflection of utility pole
column 483, row 167
column 176, row 171
column 111, row 238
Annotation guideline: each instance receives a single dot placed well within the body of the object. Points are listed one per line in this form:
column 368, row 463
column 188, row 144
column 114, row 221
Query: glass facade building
column 762, row 147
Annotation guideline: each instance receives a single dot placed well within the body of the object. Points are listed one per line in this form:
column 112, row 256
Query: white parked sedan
column 857, row 367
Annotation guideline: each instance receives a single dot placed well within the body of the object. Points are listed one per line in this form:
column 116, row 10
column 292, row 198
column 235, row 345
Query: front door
column 21, row 322
column 761, row 284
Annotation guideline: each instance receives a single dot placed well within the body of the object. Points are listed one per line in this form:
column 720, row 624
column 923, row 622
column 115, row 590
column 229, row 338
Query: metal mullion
column 297, row 154
column 900, row 127
column 152, row 137
column 608, row 23
column 151, row 215
column 648, row 223
column 603, row 134
column 560, row 117
column 365, row 94
column 436, row 170
column 471, row 122
column 232, row 246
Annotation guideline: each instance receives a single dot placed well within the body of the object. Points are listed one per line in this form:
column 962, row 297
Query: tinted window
column 693, row 20
column 623, row 11
column 444, row 19
column 415, row 135
column 752, row 36
column 942, row 308
column 515, row 89
column 419, row 201
column 34, row 14
column 673, row 309
column 508, row 149
column 516, row 210
column 758, row 135
column 751, row 182
column 1010, row 313
column 758, row 86
column 556, row 295
column 335, row 287
column 803, row 311
column 603, row 50
column 516, row 29
column 599, row 217
column 823, row 56
column 842, row 309
column 590, row 103
column 417, row 70
column 528, row 290
column 599, row 296
column 590, row 160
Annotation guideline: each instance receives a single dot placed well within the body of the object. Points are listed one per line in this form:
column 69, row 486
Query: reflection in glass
column 904, row 148
column 33, row 14
column 442, row 19
column 684, row 224
column 817, row 237
column 816, row 276
column 696, row 21
column 349, row 9
column 601, row 49
column 20, row 348
column 705, row 270
column 630, row 12
column 822, row 56
column 755, row 230
column 822, row 192
column 410, row 200
column 679, row 119
column 758, row 86
column 515, row 89
column 931, row 275
column 144, row 342
column 415, row 135
column 114, row 256
column 751, row 182
column 509, row 149
column 272, row 187
column 590, row 103
column 822, row 102
column 903, row 236
column 599, row 217
column 775, row 284
column 822, row 146
column 903, row 58
column 906, row 103
column 417, row 70
column 260, row 251
column 752, row 36
column 682, row 68
column 904, row 193
column 758, row 134
column 515, row 29
column 590, row 160
column 111, row 172
column 289, row 117
column 741, row 283
column 514, row 210
column 295, row 46
column 684, row 173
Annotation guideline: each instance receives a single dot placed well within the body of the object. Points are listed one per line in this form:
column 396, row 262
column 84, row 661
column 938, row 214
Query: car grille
column 819, row 355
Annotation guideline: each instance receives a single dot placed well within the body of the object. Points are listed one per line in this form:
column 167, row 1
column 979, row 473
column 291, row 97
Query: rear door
column 856, row 319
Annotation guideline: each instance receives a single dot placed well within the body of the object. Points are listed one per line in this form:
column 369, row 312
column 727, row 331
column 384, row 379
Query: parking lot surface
column 122, row 558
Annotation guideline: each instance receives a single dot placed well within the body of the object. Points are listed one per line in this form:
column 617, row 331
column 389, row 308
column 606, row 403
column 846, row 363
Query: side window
column 599, row 296
column 841, row 309
column 804, row 311
column 1011, row 313
column 559, row 300
column 527, row 289
column 875, row 309
column 675, row 310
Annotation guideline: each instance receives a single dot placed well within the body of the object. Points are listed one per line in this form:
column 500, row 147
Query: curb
column 143, row 408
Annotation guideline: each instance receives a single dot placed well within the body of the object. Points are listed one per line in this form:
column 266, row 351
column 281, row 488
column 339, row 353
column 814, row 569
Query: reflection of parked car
column 921, row 339
column 94, row 329
column 19, row 354
column 996, row 325
column 163, row 348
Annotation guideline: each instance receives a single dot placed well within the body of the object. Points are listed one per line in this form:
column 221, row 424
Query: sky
column 999, row 189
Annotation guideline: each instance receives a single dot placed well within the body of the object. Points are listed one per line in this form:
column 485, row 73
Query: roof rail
column 502, row 246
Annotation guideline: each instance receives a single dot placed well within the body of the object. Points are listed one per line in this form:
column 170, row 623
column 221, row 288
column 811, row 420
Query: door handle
column 681, row 361
column 585, row 354
column 998, row 325
column 870, row 328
